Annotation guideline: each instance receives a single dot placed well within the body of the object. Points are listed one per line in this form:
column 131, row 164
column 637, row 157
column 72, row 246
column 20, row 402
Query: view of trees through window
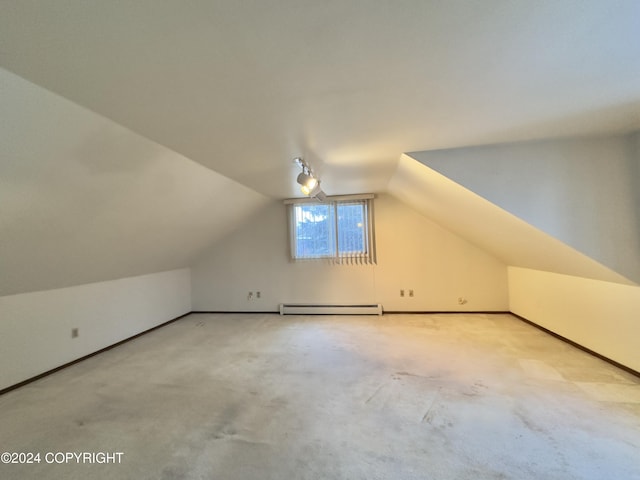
column 330, row 229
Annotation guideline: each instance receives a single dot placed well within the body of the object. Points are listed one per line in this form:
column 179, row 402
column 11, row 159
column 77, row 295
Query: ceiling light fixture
column 309, row 184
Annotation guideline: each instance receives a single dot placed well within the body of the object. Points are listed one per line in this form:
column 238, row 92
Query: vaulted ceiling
column 243, row 87
column 135, row 134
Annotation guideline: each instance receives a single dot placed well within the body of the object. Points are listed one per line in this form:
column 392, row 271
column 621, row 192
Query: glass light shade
column 307, row 182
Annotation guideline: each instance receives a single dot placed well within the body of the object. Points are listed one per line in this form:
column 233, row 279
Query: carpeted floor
column 240, row 396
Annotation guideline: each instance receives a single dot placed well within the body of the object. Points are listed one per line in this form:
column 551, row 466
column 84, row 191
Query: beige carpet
column 270, row 397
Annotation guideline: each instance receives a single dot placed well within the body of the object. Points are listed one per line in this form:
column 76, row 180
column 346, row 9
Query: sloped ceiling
column 242, row 87
column 497, row 231
column 581, row 191
column 176, row 119
column 83, row 199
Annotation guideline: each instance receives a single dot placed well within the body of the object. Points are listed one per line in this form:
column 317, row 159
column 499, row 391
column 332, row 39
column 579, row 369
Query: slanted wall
column 581, row 191
column 83, row 199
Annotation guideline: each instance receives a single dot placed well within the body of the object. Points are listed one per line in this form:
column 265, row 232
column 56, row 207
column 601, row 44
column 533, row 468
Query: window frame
column 368, row 256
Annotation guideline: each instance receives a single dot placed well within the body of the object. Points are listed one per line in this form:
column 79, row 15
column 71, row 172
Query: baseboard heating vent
column 315, row 309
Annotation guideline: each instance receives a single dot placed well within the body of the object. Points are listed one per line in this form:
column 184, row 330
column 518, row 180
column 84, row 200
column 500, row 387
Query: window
column 339, row 229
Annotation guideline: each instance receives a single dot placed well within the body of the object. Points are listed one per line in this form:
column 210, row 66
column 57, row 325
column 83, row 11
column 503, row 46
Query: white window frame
column 368, row 257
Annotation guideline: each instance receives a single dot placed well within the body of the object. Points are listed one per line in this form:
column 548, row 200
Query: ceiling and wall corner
column 499, row 232
column 83, row 199
column 98, row 168
column 243, row 88
column 581, row 191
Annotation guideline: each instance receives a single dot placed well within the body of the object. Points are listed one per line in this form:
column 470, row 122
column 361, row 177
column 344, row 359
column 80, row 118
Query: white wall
column 602, row 316
column 35, row 328
column 413, row 253
column 582, row 191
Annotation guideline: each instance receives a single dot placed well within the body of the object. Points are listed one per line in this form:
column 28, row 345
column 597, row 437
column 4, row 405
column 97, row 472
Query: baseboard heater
column 319, row 309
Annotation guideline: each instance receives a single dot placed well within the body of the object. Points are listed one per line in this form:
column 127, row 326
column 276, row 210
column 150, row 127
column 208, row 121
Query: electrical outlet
column 74, row 332
column 411, row 293
column 250, row 296
column 258, row 294
column 402, row 293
